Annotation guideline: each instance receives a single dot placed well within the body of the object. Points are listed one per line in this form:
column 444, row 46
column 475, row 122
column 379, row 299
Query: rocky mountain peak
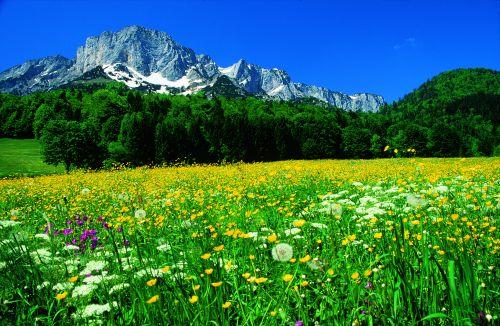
column 149, row 59
column 147, row 51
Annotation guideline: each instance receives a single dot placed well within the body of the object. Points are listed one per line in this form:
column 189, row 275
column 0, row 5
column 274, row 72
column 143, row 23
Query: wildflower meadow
column 384, row 242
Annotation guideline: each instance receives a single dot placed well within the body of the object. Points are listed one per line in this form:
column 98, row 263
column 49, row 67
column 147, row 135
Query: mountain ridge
column 141, row 57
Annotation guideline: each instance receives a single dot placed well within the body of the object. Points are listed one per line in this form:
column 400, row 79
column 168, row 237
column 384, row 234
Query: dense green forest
column 454, row 114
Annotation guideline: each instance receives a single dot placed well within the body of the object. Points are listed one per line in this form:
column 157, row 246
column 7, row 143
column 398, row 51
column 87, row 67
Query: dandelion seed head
column 282, row 252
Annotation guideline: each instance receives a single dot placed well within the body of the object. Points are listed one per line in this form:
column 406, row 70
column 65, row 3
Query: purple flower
column 363, row 312
column 126, row 243
column 68, row 222
column 73, row 241
column 100, row 218
column 369, row 285
column 120, row 229
column 67, row 231
column 93, row 245
column 87, row 234
column 105, row 225
column 299, row 323
column 79, row 222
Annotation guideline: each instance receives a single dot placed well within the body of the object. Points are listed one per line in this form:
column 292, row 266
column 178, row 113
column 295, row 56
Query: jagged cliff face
column 36, row 75
column 141, row 57
column 144, row 50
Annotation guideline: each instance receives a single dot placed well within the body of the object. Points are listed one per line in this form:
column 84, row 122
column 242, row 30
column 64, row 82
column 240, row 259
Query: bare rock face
column 147, row 51
column 36, row 75
column 144, row 58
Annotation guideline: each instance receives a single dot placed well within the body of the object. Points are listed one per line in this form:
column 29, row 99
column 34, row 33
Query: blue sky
column 387, row 47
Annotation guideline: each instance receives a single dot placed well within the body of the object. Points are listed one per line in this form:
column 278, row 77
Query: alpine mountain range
column 151, row 60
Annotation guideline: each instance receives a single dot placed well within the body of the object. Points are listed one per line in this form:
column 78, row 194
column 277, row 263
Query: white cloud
column 409, row 42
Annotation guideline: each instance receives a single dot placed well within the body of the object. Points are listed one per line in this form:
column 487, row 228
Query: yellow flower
column 226, row 305
column 355, row 275
column 153, row 299
column 287, row 277
column 368, row 272
column 378, row 235
column 304, row 283
column 209, row 271
column 205, row 256
column 305, row 259
column 193, row 299
column 441, row 252
column 260, row 280
column 219, row 248
column 272, row 238
column 272, row 313
column 293, row 260
column 216, row 284
column 228, row 265
column 165, row 269
column 151, row 282
column 61, row 296
column 252, row 257
column 73, row 279
column 298, row 223
column 245, row 275
column 196, row 287
column 330, row 272
column 454, row 216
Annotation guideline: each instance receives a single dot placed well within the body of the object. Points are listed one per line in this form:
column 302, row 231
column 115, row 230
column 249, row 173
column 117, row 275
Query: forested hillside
column 455, row 113
column 86, row 125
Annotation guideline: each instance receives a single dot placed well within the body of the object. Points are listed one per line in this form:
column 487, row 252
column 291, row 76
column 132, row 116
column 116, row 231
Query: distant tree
column 376, row 146
column 234, row 136
column 356, row 142
column 445, row 140
column 137, row 138
column 62, row 142
column 45, row 113
column 405, row 136
column 287, row 147
column 171, row 140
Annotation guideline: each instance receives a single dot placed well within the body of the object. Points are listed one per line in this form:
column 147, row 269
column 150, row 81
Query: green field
column 21, row 157
column 326, row 242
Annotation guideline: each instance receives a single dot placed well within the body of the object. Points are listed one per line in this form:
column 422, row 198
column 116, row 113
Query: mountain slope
column 456, row 113
column 36, row 75
column 454, row 84
column 151, row 60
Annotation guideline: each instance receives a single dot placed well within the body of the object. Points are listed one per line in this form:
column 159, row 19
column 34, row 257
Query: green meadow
column 22, row 157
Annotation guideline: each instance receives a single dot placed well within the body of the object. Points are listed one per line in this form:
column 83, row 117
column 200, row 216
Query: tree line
column 99, row 127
